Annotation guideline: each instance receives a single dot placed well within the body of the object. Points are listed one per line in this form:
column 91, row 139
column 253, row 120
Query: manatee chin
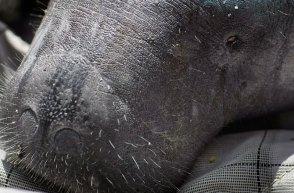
column 120, row 96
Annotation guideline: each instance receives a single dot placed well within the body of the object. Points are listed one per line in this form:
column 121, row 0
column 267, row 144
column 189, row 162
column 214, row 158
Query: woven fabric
column 259, row 161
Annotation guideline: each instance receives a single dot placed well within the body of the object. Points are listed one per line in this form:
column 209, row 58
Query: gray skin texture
column 120, row 95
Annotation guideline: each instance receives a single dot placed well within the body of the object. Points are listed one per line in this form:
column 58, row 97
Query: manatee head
column 120, row 95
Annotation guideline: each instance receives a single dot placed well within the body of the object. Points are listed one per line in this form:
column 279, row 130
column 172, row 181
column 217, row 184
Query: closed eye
column 233, row 42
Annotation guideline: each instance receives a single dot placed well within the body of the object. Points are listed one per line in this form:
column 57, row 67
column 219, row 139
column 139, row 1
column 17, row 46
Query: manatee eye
column 233, row 42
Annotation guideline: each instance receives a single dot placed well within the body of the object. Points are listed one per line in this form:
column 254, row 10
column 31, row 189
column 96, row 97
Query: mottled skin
column 120, row 95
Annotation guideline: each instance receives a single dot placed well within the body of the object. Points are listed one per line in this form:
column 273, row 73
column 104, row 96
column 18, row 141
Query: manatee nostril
column 28, row 123
column 68, row 141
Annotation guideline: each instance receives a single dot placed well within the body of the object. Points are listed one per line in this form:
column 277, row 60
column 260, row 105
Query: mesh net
column 260, row 161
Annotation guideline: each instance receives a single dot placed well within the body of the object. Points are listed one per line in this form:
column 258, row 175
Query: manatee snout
column 63, row 139
column 120, row 96
column 58, row 104
column 67, row 108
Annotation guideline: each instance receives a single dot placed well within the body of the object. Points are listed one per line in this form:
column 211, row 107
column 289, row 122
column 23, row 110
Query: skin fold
column 120, row 95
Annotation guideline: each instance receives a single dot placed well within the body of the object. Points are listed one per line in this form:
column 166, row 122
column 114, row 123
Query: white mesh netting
column 261, row 161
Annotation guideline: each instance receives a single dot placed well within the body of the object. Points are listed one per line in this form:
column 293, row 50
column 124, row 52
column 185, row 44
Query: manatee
column 121, row 95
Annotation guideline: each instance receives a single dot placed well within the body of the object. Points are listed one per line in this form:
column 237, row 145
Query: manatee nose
column 28, row 123
column 67, row 141
column 63, row 140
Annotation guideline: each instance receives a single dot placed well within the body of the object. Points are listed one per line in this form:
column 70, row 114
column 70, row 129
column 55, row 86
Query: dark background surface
column 23, row 16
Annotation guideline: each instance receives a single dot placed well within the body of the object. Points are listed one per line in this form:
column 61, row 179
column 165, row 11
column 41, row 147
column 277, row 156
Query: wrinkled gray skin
column 120, row 95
